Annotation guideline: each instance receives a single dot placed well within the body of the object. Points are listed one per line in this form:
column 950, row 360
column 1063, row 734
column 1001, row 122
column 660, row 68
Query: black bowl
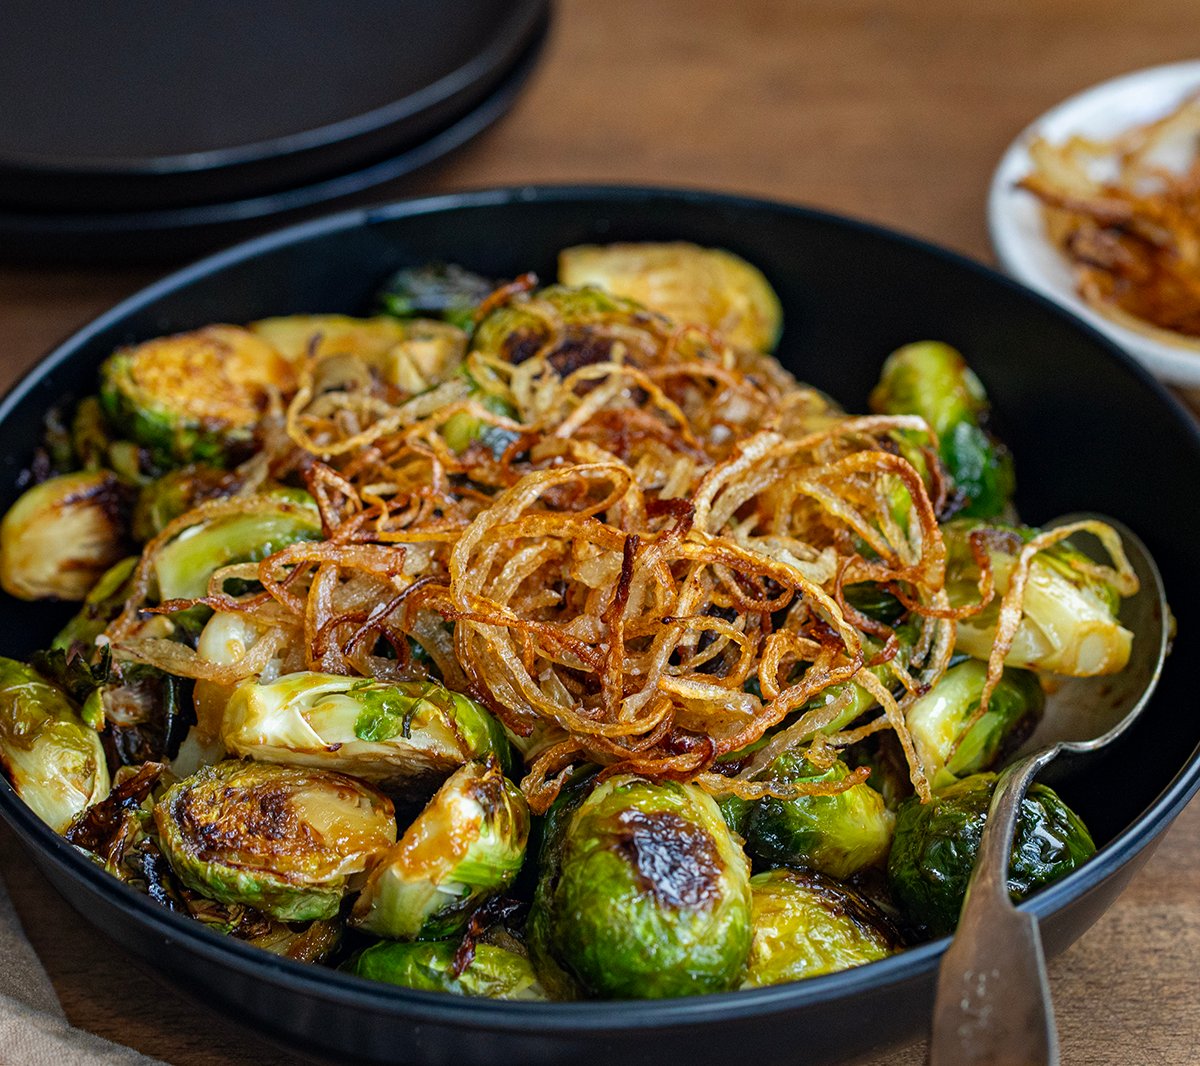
column 1089, row 428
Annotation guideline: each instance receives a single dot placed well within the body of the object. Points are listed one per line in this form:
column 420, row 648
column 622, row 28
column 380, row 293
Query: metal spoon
column 993, row 1004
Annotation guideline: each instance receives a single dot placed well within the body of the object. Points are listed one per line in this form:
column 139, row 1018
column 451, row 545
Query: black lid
column 140, row 104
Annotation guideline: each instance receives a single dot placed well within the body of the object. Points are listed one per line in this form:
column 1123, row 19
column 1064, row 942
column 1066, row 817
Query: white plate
column 1014, row 216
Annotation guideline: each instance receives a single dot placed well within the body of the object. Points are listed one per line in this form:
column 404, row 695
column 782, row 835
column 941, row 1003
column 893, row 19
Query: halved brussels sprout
column 937, row 721
column 54, row 762
column 466, row 845
column 689, row 284
column 62, row 535
column 183, row 566
column 936, row 844
column 406, row 736
column 932, row 380
column 412, row 355
column 643, row 894
column 1069, row 623
column 805, row 925
column 193, row 396
column 289, row 841
column 436, row 290
column 837, row 834
column 430, row 966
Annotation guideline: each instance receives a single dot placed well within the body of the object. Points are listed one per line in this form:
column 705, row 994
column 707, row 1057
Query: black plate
column 134, row 105
column 1089, row 428
column 175, row 234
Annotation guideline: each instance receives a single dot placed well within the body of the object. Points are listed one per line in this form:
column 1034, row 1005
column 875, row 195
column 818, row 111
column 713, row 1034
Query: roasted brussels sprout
column 837, row 834
column 193, row 396
column 933, row 380
column 466, row 845
column 100, row 606
column 165, row 498
column 62, row 535
column 436, row 290
column 936, row 844
column 1069, row 623
column 409, row 355
column 406, row 736
column 643, row 893
column 805, row 925
column 184, row 565
column 692, row 285
column 288, row 841
column 54, row 762
column 938, row 721
column 493, row 971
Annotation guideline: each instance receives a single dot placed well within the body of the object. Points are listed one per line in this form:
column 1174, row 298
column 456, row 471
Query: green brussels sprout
column 837, row 834
column 100, row 606
column 183, row 566
column 805, row 925
column 290, row 842
column 193, row 397
column 936, row 843
column 643, row 894
column 937, row 720
column 429, row 965
column 466, row 845
column 698, row 286
column 409, row 355
column 1069, row 623
column 932, row 380
column 436, row 290
column 60, row 536
column 54, row 762
column 406, row 736
column 164, row 499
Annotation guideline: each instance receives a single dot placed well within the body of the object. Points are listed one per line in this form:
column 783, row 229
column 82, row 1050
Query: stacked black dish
column 137, row 130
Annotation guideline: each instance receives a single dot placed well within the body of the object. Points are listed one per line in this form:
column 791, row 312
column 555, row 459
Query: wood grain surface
column 891, row 111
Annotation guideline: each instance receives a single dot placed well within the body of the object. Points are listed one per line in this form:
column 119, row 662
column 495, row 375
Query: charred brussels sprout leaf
column 53, row 760
column 936, row 844
column 436, row 290
column 1069, row 615
column 643, row 894
column 948, row 740
column 932, row 380
column 706, row 287
column 287, row 841
column 430, row 966
column 837, row 834
column 468, row 844
column 805, row 925
column 194, row 396
column 405, row 735
column 100, row 606
column 60, row 536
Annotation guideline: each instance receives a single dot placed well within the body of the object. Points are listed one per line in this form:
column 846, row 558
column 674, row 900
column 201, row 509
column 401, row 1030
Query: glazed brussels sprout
column 643, row 894
column 1069, row 624
column 54, row 762
column 938, row 721
column 62, row 535
column 406, row 736
column 805, row 925
column 184, row 565
column 689, row 284
column 936, row 844
column 193, row 396
column 837, row 834
column 436, row 290
column 290, row 842
column 409, row 355
column 164, row 499
column 493, row 971
column 933, row 380
column 466, row 845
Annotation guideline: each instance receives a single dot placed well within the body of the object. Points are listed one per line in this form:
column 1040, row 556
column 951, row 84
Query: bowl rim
column 598, row 1016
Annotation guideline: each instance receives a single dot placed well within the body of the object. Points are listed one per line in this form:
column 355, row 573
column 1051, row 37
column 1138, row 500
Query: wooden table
column 892, row 111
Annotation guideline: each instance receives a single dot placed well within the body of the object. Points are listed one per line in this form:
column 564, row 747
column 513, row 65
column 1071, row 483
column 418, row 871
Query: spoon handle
column 993, row 1001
